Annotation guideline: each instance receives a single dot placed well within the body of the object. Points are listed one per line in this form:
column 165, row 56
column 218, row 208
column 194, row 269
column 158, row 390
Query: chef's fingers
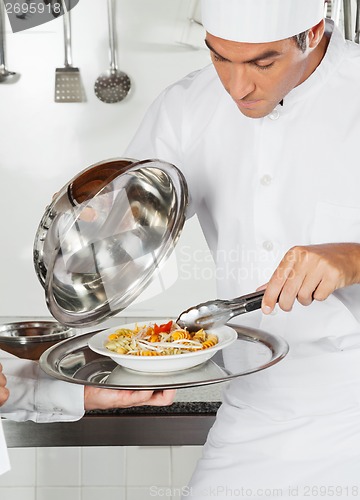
column 325, row 268
column 291, row 289
column 4, row 395
column 2, row 376
column 312, row 272
column 2, row 380
column 325, row 288
column 158, row 398
column 261, row 288
column 309, row 273
column 309, row 288
column 105, row 399
column 283, row 273
column 287, row 279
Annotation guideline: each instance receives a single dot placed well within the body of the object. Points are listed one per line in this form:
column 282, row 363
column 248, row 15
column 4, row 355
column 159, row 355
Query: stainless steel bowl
column 104, row 235
column 29, row 339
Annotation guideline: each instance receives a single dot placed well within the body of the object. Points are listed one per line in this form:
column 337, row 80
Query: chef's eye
column 218, row 58
column 263, row 66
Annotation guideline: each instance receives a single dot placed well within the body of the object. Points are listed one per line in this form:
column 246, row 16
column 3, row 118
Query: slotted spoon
column 114, row 85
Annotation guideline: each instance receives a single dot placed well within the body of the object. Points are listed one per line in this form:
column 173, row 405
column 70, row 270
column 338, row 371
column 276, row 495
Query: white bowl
column 165, row 363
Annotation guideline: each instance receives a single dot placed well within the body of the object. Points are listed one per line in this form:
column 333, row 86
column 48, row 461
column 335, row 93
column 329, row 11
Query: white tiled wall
column 91, row 473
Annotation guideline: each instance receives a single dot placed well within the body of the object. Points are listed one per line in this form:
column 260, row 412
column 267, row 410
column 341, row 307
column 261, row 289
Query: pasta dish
column 158, row 340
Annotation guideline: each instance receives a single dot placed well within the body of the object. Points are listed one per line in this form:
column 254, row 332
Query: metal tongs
column 217, row 312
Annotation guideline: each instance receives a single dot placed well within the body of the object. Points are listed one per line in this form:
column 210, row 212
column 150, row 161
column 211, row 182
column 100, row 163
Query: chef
column 267, row 137
column 27, row 393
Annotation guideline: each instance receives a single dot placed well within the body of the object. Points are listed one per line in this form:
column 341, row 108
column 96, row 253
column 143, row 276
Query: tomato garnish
column 164, row 328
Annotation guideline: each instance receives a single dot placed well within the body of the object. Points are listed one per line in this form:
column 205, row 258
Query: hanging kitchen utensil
column 217, row 312
column 357, row 22
column 6, row 76
column 68, row 84
column 347, row 8
column 112, row 86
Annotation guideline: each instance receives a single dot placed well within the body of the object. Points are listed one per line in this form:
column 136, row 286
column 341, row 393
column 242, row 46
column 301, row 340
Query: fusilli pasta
column 158, row 340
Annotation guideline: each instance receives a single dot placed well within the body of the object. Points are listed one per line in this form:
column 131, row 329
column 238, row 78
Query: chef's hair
column 301, row 40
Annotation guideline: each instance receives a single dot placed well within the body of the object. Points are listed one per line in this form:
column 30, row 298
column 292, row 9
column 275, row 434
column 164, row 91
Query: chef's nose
column 241, row 84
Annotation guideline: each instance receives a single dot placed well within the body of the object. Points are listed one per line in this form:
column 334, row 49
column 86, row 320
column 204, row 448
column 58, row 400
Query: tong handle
column 254, row 302
column 246, row 303
column 219, row 312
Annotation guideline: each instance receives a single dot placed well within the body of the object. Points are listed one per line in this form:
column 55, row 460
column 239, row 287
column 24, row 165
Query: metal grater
column 68, row 84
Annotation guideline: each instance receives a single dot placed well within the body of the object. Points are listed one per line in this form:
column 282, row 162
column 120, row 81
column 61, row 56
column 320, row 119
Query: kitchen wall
column 44, row 144
column 127, row 473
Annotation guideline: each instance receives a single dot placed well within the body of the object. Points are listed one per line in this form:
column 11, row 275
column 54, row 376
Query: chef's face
column 259, row 75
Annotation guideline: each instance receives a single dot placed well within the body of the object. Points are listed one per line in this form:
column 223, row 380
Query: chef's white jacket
column 36, row 396
column 259, row 187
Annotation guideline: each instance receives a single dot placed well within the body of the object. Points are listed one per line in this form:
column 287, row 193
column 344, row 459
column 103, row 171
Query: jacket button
column 274, row 115
column 266, row 180
column 268, row 246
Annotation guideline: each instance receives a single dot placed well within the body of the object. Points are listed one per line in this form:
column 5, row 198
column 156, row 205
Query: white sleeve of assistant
column 4, row 457
column 36, row 396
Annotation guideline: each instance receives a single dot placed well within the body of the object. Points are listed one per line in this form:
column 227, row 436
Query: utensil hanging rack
column 6, row 76
column 351, row 29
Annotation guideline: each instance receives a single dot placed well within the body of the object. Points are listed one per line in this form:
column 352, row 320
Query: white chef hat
column 260, row 21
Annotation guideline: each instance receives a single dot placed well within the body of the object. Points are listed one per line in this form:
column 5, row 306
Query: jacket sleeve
column 160, row 134
column 156, row 137
column 36, row 396
column 4, row 457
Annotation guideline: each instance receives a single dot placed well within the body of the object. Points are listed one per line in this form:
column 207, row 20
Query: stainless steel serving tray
column 73, row 361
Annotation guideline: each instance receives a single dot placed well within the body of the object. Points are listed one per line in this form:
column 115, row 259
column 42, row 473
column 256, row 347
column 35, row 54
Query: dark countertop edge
column 113, row 429
column 185, row 407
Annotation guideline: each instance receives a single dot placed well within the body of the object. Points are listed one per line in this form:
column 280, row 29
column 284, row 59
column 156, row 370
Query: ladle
column 112, row 86
column 5, row 75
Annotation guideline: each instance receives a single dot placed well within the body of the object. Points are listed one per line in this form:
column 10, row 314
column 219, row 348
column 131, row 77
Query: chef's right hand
column 313, row 272
column 4, row 392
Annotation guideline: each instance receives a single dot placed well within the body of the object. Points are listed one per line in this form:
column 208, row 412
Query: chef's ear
column 315, row 34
